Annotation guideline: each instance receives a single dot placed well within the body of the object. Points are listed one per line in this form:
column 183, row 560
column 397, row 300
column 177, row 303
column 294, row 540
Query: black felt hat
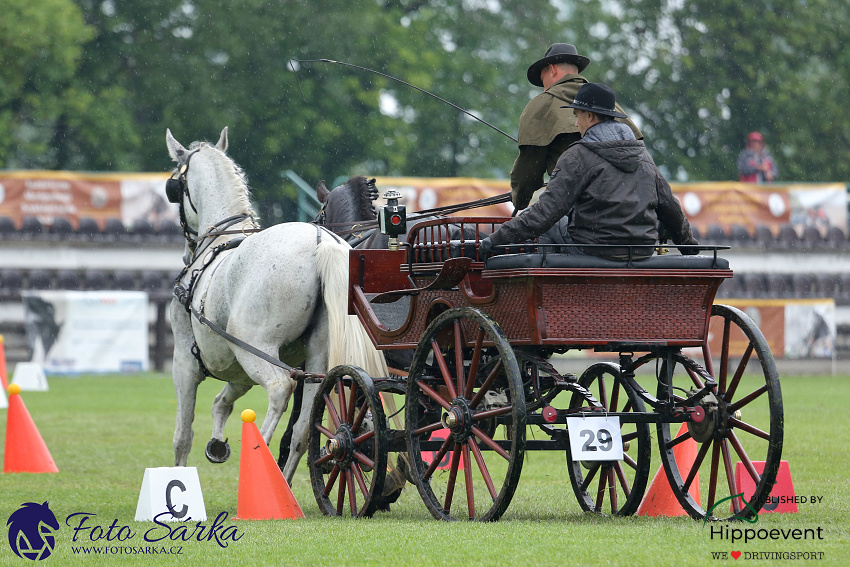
column 557, row 53
column 596, row 98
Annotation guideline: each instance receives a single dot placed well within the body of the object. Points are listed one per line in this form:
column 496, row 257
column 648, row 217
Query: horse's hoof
column 217, row 451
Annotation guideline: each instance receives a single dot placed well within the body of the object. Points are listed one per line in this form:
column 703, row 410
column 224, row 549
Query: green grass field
column 104, row 431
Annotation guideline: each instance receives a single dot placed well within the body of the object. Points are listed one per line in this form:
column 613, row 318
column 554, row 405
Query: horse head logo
column 31, row 530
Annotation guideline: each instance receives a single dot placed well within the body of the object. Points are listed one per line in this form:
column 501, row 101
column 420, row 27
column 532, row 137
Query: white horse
column 282, row 291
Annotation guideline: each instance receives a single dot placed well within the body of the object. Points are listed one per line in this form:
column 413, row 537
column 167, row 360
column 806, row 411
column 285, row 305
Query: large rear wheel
column 614, row 487
column 724, row 465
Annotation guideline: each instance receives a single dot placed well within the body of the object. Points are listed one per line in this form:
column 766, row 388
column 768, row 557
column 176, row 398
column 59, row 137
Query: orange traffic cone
column 4, row 375
column 659, row 500
column 263, row 492
column 25, row 449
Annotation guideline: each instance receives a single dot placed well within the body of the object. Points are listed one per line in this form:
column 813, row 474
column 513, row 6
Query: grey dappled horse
column 282, row 290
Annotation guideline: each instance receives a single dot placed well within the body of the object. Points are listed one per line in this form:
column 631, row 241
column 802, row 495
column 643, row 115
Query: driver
column 607, row 183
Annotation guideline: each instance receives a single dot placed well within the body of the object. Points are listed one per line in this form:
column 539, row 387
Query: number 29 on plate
column 595, row 438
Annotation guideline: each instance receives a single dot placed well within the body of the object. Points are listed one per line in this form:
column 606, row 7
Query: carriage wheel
column 472, row 397
column 347, row 453
column 740, row 435
column 621, row 483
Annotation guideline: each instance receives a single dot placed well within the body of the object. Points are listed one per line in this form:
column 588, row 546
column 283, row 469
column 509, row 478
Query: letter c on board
column 171, row 485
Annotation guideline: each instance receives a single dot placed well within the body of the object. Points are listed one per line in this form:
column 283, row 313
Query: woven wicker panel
column 625, row 311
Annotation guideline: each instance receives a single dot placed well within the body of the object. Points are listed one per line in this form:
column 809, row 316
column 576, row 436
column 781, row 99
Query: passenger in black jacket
column 609, row 186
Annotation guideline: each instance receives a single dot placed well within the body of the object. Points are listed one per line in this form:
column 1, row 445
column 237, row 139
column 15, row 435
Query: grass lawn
column 104, row 431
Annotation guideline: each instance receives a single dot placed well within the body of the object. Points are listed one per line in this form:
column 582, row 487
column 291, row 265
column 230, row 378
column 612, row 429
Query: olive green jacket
column 545, row 132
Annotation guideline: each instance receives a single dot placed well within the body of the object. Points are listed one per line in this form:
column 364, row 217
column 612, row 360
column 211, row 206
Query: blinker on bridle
column 176, row 187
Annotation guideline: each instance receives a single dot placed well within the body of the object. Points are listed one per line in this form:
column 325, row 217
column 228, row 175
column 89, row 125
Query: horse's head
column 207, row 184
column 31, row 530
column 350, row 202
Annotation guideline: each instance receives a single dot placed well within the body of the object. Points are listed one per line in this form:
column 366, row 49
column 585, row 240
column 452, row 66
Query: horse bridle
column 176, row 188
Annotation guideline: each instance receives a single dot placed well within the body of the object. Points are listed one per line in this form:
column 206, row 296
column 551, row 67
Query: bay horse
column 279, row 292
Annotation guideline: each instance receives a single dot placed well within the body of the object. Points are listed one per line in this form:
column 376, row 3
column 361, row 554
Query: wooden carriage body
column 544, row 299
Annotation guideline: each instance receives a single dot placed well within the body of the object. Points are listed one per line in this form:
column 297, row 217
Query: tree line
column 93, row 84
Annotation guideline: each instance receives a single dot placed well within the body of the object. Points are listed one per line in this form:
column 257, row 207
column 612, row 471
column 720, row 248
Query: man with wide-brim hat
column 545, row 130
column 605, row 191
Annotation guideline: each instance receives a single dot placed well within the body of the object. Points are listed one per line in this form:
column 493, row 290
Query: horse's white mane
column 241, row 201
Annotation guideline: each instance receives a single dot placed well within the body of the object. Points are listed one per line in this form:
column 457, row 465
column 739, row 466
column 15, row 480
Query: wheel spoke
column 352, row 402
column 331, row 410
column 630, row 461
column 486, row 414
column 748, row 464
column 749, row 428
column 450, row 486
column 482, row 466
column 322, row 460
column 361, row 482
column 365, row 437
column 742, row 366
column 324, row 431
column 473, row 366
column 730, row 479
column 630, row 436
column 486, row 385
column 615, row 396
column 461, row 379
column 621, row 476
column 603, row 392
column 590, row 474
column 612, row 490
column 683, row 437
column 747, row 399
column 343, row 408
column 444, row 368
column 600, row 491
column 703, row 451
column 361, row 415
column 428, row 428
column 352, row 496
column 433, row 394
column 724, row 354
column 364, row 459
column 438, row 458
column 490, row 443
column 712, row 479
column 331, row 480
column 340, row 496
column 467, row 480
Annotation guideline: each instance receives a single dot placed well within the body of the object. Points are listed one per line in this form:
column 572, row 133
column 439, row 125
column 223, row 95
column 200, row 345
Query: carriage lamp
column 392, row 218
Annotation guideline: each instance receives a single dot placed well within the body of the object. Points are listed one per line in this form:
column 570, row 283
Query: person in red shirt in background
column 755, row 164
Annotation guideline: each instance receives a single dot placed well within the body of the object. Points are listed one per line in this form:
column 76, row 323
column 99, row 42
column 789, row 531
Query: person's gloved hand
column 485, row 247
column 690, row 251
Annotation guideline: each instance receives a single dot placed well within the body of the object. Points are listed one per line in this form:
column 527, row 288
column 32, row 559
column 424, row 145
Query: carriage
column 472, row 340
column 483, row 331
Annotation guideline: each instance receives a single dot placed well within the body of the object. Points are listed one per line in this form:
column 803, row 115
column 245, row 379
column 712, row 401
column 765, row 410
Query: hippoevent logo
column 32, row 534
column 739, row 536
column 31, row 529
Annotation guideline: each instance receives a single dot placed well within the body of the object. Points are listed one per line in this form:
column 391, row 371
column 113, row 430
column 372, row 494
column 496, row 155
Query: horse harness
column 176, row 188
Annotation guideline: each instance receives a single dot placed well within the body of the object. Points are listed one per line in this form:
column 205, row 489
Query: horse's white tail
column 349, row 343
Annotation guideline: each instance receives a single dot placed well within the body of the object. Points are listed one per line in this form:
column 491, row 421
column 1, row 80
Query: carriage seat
column 664, row 262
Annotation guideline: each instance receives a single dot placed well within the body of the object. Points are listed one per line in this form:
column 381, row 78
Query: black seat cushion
column 665, row 262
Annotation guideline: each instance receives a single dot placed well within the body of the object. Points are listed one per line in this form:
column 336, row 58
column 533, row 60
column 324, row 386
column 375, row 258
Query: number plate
column 595, row 438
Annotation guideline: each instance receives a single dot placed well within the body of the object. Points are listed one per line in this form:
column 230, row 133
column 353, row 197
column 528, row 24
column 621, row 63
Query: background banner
column 47, row 195
column 87, row 331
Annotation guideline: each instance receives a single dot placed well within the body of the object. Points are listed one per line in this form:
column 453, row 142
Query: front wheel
column 465, row 417
column 347, row 452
